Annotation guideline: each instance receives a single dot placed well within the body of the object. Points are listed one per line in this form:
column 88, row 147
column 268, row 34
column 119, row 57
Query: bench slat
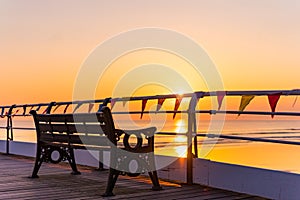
column 72, row 128
column 75, row 139
column 80, row 117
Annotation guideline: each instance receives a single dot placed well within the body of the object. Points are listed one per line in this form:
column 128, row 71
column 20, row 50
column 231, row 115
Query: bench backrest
column 78, row 130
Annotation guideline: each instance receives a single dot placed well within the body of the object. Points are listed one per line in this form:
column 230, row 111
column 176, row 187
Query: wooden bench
column 62, row 133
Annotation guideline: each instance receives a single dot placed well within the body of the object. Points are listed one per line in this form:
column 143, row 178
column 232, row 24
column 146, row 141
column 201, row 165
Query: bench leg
column 154, row 178
column 39, row 158
column 71, row 159
column 100, row 164
column 112, row 179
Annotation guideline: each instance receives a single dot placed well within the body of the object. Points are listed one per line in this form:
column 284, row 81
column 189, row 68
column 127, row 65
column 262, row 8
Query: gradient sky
column 255, row 44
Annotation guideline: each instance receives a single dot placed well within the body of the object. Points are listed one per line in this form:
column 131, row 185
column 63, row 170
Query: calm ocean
column 257, row 154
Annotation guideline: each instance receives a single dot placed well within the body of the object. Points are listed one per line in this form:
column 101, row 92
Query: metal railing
column 192, row 133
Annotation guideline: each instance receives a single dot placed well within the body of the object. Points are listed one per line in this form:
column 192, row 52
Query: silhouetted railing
column 192, row 133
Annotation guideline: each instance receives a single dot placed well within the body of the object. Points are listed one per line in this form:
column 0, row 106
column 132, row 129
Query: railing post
column 9, row 128
column 100, row 161
column 51, row 104
column 191, row 125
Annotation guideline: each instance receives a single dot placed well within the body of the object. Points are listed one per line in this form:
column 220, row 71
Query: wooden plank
column 55, row 182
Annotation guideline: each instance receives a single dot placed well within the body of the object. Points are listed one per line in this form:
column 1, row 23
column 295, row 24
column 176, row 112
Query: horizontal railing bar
column 169, row 133
column 20, row 128
column 150, row 112
column 247, row 112
column 200, row 111
column 254, row 92
column 248, row 139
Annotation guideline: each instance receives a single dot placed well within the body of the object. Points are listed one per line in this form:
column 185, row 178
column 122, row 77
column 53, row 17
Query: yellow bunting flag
column 246, row 99
column 91, row 106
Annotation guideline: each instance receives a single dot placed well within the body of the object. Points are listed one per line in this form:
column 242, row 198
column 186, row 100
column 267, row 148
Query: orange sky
column 254, row 44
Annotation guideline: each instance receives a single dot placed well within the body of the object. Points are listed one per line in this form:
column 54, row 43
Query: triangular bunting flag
column 56, row 107
column 220, row 97
column 246, row 99
column 125, row 100
column 273, row 100
column 45, row 111
column 77, row 107
column 38, row 108
column 295, row 101
column 15, row 113
column 144, row 102
column 31, row 108
column 177, row 104
column 112, row 103
column 66, row 108
column 160, row 102
column 91, row 106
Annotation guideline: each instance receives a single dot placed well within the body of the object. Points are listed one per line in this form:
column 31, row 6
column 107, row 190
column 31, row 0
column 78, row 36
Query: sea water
column 256, row 154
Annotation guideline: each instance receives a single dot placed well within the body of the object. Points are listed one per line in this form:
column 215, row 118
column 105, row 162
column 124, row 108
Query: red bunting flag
column 246, row 99
column 220, row 97
column 177, row 104
column 273, row 100
column 45, row 111
column 160, row 103
column 91, row 106
column 112, row 103
column 144, row 102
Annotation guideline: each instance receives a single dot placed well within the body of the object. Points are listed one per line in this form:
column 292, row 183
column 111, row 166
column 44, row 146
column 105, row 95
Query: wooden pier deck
column 56, row 182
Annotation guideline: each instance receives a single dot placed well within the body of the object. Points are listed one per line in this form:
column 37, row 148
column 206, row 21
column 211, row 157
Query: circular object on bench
column 55, row 158
column 138, row 145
